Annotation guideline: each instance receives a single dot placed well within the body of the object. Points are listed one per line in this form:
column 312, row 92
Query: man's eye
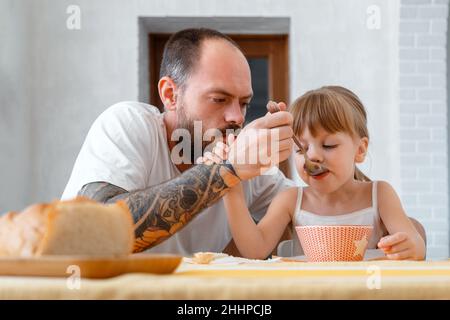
column 327, row 146
column 219, row 100
column 246, row 105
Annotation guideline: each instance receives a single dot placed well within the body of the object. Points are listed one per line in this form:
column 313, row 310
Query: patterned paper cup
column 334, row 243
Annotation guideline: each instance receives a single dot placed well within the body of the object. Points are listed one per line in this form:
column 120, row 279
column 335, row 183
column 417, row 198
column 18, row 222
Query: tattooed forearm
column 160, row 211
column 101, row 191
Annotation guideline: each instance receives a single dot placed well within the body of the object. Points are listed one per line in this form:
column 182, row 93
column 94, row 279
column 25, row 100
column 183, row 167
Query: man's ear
column 362, row 150
column 167, row 92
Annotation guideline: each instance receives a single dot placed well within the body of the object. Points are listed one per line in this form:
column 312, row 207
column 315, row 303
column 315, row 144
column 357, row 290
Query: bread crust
column 31, row 232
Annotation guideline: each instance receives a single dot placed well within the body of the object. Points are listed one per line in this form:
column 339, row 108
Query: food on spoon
column 314, row 169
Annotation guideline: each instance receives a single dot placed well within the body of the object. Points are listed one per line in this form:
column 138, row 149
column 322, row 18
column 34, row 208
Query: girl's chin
column 320, row 186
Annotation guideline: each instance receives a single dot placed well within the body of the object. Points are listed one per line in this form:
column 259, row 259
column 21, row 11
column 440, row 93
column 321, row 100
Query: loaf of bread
column 75, row 227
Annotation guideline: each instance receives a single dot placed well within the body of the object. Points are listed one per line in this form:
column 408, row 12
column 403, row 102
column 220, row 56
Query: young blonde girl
column 331, row 125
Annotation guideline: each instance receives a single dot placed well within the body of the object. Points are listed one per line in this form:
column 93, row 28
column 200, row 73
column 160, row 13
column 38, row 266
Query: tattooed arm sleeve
column 160, row 211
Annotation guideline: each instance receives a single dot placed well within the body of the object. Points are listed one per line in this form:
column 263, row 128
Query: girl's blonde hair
column 333, row 108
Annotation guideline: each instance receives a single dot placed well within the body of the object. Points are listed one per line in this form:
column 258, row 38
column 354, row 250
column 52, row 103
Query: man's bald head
column 183, row 51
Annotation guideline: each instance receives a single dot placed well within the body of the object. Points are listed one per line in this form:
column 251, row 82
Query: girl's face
column 337, row 151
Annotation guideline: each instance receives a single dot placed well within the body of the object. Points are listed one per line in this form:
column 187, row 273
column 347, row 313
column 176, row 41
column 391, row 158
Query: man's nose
column 234, row 113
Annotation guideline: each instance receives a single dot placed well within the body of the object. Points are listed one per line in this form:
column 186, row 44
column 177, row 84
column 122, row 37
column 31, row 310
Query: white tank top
column 367, row 216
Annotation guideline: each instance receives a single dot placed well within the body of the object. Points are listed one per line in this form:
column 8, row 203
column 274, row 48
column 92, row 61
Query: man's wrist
column 228, row 174
column 230, row 166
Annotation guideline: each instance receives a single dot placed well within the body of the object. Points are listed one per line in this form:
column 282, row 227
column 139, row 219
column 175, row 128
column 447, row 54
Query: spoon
column 311, row 168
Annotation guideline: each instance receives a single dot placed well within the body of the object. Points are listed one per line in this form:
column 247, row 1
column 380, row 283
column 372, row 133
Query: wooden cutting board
column 89, row 267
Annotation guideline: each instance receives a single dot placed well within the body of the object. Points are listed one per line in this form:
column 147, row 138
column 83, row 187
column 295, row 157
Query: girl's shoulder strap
column 298, row 204
column 374, row 195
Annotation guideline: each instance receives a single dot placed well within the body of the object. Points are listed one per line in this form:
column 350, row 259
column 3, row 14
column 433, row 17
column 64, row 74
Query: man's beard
column 187, row 123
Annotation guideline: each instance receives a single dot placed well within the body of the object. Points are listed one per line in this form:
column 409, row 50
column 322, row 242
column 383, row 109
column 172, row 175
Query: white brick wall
column 423, row 118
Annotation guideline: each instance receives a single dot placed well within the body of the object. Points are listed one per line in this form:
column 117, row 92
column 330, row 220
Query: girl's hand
column 401, row 246
column 218, row 154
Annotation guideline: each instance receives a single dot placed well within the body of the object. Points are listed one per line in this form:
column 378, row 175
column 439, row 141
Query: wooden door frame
column 275, row 48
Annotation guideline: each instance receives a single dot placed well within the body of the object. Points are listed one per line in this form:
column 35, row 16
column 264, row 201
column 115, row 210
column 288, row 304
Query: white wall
column 74, row 75
column 423, row 117
column 331, row 44
column 15, row 139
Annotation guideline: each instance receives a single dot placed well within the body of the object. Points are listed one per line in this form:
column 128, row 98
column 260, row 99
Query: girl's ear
column 362, row 150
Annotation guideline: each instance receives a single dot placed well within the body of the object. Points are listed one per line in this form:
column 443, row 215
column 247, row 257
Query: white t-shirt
column 127, row 147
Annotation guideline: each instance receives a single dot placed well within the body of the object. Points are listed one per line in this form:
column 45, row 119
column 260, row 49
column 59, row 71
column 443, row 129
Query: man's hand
column 263, row 143
column 401, row 246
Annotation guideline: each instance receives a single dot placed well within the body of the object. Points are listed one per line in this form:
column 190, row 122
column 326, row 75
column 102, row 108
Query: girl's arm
column 256, row 241
column 403, row 241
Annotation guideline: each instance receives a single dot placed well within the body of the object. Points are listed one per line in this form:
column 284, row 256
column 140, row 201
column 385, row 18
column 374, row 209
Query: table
column 277, row 280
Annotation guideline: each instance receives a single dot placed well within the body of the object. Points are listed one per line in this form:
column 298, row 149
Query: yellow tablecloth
column 279, row 280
